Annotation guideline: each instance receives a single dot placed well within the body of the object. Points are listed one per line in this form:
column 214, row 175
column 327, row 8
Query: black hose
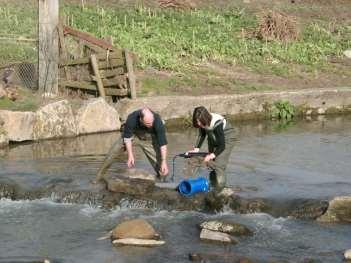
column 186, row 155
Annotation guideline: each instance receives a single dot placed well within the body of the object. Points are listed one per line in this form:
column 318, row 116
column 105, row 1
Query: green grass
column 180, row 40
column 27, row 101
column 156, row 86
column 173, row 40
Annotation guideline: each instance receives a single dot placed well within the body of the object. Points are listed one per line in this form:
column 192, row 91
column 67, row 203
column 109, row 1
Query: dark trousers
column 218, row 166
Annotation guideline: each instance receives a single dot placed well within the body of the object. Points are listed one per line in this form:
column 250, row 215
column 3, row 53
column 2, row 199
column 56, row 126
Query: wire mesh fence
column 20, row 74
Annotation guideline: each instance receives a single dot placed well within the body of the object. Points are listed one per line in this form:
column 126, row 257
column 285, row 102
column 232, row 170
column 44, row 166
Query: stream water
column 308, row 159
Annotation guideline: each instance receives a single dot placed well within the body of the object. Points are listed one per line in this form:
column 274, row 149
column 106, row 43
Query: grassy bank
column 173, row 40
column 181, row 45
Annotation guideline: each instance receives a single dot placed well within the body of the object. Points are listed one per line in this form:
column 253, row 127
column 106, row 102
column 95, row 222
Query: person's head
column 146, row 117
column 201, row 117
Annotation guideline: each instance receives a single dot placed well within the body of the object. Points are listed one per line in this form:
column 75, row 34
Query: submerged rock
column 135, row 192
column 139, row 174
column 137, row 228
column 339, row 210
column 307, row 209
column 219, row 257
column 134, row 184
column 8, row 190
column 226, row 227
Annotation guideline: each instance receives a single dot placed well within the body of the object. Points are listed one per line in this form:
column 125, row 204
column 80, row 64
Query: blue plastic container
column 190, row 187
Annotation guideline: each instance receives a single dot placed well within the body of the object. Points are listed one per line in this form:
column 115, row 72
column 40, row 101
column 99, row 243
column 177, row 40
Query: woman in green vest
column 220, row 139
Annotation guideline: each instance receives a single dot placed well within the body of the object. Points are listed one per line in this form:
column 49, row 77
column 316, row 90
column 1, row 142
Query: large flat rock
column 96, row 115
column 18, row 126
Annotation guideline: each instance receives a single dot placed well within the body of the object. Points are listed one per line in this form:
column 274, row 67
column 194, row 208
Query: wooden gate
column 94, row 65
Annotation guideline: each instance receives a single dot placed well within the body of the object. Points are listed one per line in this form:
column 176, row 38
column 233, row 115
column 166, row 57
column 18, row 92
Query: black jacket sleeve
column 130, row 125
column 200, row 138
column 220, row 139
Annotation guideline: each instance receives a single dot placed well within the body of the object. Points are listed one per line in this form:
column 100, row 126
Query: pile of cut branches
column 277, row 26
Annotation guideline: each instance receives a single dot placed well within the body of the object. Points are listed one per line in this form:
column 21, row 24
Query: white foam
column 89, row 211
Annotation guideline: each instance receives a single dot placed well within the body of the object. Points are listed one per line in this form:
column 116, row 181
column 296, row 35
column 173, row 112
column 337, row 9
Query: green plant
column 283, row 110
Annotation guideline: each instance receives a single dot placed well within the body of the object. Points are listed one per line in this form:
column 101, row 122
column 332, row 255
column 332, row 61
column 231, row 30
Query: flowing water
column 309, row 159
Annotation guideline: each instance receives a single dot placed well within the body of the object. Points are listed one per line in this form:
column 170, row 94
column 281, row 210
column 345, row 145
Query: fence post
column 130, row 74
column 48, row 45
column 97, row 78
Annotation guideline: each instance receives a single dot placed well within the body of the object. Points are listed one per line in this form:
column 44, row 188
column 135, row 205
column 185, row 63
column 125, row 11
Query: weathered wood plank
column 113, row 82
column 111, row 73
column 93, row 47
column 87, row 37
column 63, row 50
column 95, row 67
column 89, row 86
column 130, row 72
column 48, row 45
column 114, row 57
column 111, row 64
column 117, row 83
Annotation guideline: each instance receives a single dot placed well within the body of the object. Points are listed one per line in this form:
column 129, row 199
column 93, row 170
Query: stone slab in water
column 134, row 186
column 219, row 257
column 226, row 227
column 138, row 242
column 214, row 236
column 139, row 174
column 167, row 185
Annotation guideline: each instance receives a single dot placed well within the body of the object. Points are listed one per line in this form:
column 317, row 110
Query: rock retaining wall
column 59, row 120
column 314, row 101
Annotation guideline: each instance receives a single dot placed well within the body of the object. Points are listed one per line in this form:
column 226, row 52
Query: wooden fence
column 94, row 65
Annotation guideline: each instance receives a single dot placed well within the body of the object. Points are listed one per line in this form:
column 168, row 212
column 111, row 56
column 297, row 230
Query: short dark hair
column 202, row 115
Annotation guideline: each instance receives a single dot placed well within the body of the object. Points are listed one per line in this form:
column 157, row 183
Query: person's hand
column 164, row 168
column 130, row 162
column 209, row 157
column 195, row 150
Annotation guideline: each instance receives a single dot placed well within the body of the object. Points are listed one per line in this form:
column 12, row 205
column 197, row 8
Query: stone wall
column 318, row 101
column 59, row 120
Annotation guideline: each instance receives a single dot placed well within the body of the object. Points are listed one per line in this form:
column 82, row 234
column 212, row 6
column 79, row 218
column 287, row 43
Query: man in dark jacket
column 145, row 129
